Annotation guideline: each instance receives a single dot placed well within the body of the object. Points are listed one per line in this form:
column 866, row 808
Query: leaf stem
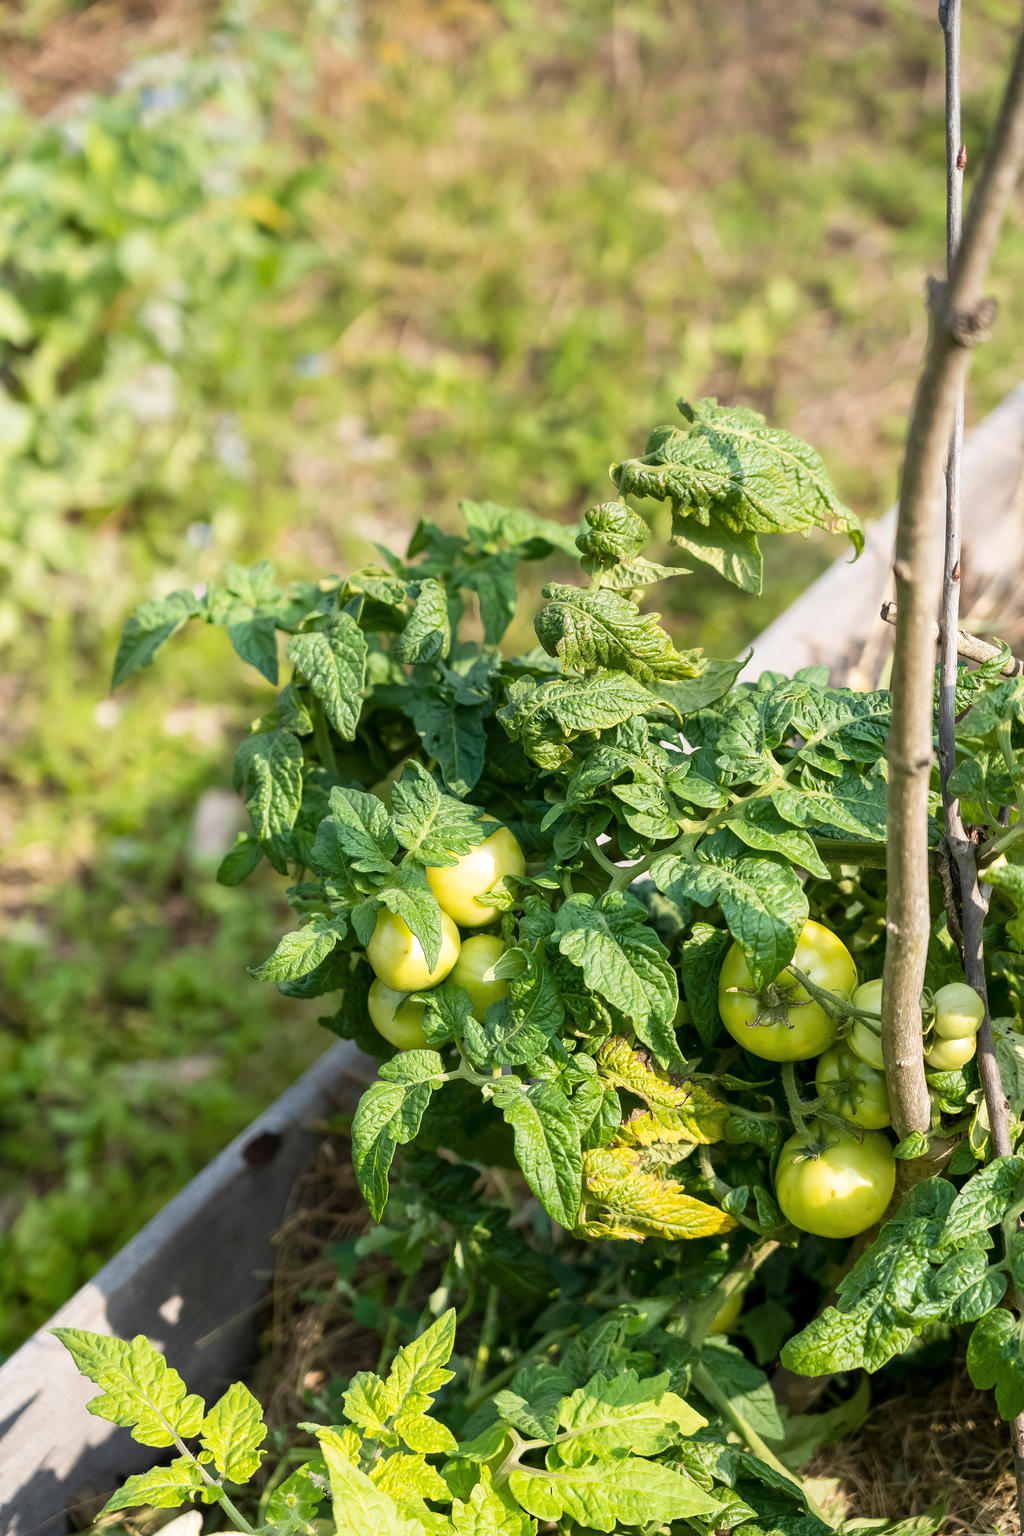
column 322, row 738
column 796, row 1106
column 708, row 1387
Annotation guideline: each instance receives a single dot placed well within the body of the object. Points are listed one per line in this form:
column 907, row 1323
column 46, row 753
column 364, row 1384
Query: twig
column 969, row 647
column 973, row 901
column 961, row 317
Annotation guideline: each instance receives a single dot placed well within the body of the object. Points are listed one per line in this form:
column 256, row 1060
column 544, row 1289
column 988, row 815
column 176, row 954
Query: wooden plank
column 830, row 622
column 192, row 1279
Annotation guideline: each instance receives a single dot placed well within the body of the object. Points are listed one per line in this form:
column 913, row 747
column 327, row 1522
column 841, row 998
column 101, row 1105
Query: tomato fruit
column 477, row 872
column 948, row 1055
column 959, row 1011
column 397, row 956
column 473, row 970
column 396, row 1017
column 865, row 1041
column 833, row 1185
column 782, row 1022
column 851, row 1088
column 727, row 1313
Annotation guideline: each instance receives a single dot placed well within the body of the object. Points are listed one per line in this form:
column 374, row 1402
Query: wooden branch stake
column 961, row 317
column 968, row 647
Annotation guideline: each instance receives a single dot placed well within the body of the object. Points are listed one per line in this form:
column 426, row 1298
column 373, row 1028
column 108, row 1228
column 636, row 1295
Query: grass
column 309, row 272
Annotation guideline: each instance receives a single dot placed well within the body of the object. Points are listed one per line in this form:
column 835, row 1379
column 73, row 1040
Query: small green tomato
column 476, row 873
column 851, row 1088
column 474, row 971
column 396, row 1017
column 397, row 956
column 867, row 1042
column 959, row 1011
column 949, row 1055
column 830, row 1183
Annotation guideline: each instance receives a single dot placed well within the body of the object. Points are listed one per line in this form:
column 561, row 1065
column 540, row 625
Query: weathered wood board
column 193, row 1280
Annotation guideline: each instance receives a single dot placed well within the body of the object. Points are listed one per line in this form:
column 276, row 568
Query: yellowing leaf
column 693, row 1110
column 633, row 1203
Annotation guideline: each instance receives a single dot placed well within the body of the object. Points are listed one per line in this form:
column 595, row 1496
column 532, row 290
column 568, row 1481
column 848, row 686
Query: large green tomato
column 865, row 1041
column 474, row 970
column 782, row 1022
column 397, row 956
column 477, row 872
column 396, row 1017
column 833, row 1185
column 851, row 1088
column 948, row 1055
column 959, row 1011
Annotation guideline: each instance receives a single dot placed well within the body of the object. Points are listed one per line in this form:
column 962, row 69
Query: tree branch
column 968, row 647
column 961, row 317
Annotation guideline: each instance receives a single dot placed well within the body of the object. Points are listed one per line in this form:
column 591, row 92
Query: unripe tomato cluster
column 829, row 1180
column 396, row 955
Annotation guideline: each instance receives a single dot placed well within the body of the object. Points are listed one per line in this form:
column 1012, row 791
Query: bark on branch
column 968, row 647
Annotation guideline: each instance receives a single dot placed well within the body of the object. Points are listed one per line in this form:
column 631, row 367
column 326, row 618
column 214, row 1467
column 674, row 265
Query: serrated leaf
column 762, row 901
column 983, row 1201
column 728, row 462
column 494, row 583
column 359, row 1507
column 333, row 662
column 493, row 526
column 410, row 1480
column 453, row 734
column 627, row 1491
column 417, row 1373
column 603, row 631
column 233, row 1432
column 614, row 532
column 518, row 1028
column 964, row 1288
column 268, row 774
column 702, row 956
column 410, row 897
column 299, row 1497
column 545, row 718
column 434, row 828
column 676, row 1101
column 995, row 1359
column 745, row 1385
column 162, row 1488
column 148, row 628
column 734, row 554
column 239, row 861
column 485, row 1514
column 849, row 804
column 140, row 1391
column 298, row 953
column 389, row 1116
column 255, row 641
column 623, row 961
column 760, row 826
column 427, row 636
column 607, row 1417
column 532, row 1401
column 547, row 1144
column 634, row 1204
column 357, row 835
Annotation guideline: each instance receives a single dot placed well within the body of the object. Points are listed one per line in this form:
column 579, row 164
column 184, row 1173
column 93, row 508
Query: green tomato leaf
column 239, row 861
column 494, row 583
column 983, row 1201
column 163, row 1487
column 745, row 1385
column 411, row 898
column 547, row 1144
column 760, row 826
column 300, row 952
column 140, row 1391
column 622, row 959
column 233, row 1432
column 148, row 628
column 734, row 554
column 427, row 636
column 545, row 718
column 453, row 734
column 359, row 1506
column 609, row 1417
column 255, row 640
column 533, row 1401
column 436, row 829
column 357, row 835
column 594, row 631
column 728, row 462
column 626, row 1490
column 995, row 1359
column 518, row 1028
column 333, row 661
column 268, row 774
column 762, row 901
column 389, row 1116
column 702, row 956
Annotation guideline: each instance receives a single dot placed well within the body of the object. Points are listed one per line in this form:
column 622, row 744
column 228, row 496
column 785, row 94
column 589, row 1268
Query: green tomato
column 397, row 956
column 396, row 1017
column 852, row 1089
column 474, row 970
column 782, row 1022
column 948, row 1055
column 476, row 873
column 727, row 1313
column 959, row 1011
column 865, row 1041
column 833, row 1185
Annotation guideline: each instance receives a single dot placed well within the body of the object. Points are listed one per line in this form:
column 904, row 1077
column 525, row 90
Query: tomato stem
column 798, row 1110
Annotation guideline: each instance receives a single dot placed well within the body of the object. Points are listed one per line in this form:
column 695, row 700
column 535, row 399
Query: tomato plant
column 782, row 1021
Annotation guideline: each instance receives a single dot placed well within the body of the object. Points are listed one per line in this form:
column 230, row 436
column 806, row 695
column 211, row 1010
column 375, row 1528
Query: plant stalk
column 961, row 317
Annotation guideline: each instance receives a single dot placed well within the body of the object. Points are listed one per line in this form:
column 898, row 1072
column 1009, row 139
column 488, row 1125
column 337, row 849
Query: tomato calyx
column 776, row 1001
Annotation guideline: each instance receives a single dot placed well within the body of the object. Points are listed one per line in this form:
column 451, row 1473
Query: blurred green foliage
column 279, row 291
